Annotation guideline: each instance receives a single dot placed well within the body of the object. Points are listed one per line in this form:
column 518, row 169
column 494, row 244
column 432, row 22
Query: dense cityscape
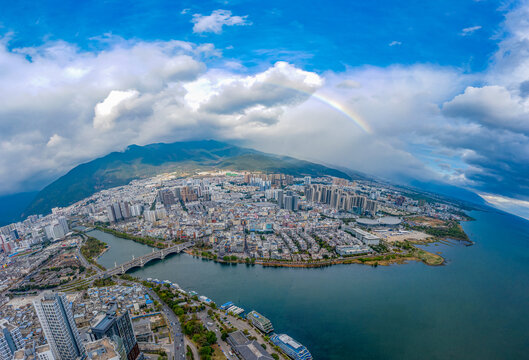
column 60, row 303
column 264, row 180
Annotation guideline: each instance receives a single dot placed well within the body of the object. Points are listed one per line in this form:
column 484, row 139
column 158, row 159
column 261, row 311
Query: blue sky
column 319, row 35
column 405, row 90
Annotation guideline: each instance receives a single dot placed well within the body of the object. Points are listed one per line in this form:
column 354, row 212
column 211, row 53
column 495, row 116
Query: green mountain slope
column 119, row 168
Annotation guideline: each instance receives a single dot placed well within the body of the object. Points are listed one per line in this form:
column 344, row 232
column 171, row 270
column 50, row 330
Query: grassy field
column 427, row 257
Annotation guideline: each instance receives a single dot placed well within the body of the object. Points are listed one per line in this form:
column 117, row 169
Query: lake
column 474, row 307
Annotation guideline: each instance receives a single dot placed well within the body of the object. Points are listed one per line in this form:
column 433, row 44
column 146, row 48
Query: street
column 211, row 325
column 179, row 350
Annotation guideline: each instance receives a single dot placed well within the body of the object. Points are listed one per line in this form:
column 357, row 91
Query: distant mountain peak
column 119, row 168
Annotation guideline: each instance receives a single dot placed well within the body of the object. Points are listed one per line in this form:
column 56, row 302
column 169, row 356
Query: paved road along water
column 474, row 307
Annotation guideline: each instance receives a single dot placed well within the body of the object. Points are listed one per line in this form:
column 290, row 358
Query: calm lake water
column 474, row 307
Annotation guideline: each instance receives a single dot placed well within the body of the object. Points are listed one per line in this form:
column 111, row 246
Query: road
column 179, row 350
column 206, row 320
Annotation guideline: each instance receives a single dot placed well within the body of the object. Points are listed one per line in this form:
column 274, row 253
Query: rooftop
column 258, row 317
column 101, row 350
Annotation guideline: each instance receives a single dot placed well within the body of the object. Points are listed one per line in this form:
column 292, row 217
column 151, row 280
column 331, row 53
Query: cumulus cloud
column 55, row 140
column 394, row 43
column 214, row 22
column 109, row 109
column 282, row 84
column 63, row 106
column 493, row 106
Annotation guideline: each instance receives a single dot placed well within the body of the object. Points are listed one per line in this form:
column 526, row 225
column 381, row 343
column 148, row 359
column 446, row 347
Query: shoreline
column 151, row 242
column 376, row 260
column 107, row 247
column 414, row 254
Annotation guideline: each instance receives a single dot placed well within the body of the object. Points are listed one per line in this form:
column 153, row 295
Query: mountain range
column 136, row 162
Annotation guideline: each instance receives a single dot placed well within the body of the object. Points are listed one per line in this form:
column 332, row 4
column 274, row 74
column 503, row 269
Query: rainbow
column 348, row 113
column 362, row 124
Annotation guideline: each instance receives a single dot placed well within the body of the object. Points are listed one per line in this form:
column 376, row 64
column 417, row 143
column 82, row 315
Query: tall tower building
column 118, row 324
column 64, row 224
column 10, row 340
column 117, row 211
column 125, row 209
column 58, row 325
column 110, row 214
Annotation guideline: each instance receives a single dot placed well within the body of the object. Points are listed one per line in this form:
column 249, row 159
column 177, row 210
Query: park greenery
column 202, row 337
column 191, row 326
column 104, row 282
column 91, row 249
column 452, row 230
column 139, row 239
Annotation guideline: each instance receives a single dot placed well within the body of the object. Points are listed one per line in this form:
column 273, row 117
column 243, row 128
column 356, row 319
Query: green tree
column 205, row 350
column 211, row 337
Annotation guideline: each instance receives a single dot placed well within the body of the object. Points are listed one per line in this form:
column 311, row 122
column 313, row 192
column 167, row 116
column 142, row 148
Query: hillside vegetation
column 136, row 162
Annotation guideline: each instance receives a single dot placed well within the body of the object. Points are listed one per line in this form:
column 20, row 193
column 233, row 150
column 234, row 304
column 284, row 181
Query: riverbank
column 141, row 240
column 413, row 254
column 440, row 229
column 92, row 249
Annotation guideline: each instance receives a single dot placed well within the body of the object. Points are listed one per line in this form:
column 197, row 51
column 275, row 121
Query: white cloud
column 470, row 30
column 214, row 22
column 491, row 105
column 395, row 43
column 55, row 140
column 282, row 84
column 349, row 84
column 516, row 206
column 62, row 106
column 109, row 109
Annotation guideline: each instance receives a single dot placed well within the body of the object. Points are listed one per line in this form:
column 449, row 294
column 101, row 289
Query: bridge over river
column 142, row 260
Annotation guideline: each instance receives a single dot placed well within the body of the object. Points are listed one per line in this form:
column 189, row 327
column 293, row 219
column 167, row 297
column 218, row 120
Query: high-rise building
column 64, row 224
column 14, row 234
column 125, row 209
column 295, row 203
column 287, row 203
column 110, row 213
column 187, row 194
column 7, row 246
column 166, row 197
column 10, row 340
column 56, row 318
column 371, row 207
column 177, row 194
column 150, row 215
column 280, row 199
column 118, row 324
column 117, row 211
column 136, row 210
column 54, row 231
